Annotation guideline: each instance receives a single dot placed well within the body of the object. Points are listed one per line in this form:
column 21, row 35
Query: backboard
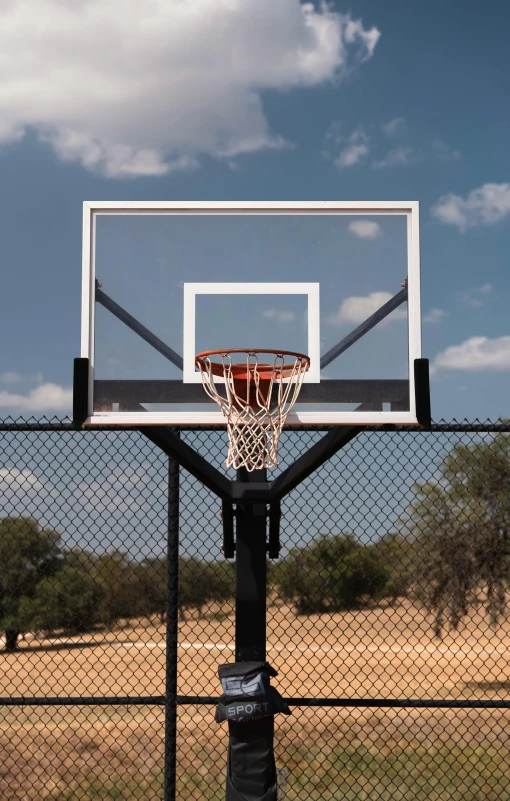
column 337, row 281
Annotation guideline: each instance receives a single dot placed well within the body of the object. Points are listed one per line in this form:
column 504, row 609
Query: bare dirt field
column 56, row 752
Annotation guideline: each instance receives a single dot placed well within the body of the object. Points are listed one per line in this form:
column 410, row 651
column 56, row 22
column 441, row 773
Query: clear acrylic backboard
column 337, row 281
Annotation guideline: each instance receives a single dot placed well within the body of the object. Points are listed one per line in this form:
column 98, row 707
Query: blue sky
column 256, row 101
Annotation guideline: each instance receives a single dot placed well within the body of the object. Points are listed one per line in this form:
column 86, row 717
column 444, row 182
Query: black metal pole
column 251, row 523
column 251, row 772
column 172, row 631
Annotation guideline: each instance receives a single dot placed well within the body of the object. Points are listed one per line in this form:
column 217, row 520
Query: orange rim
column 240, row 371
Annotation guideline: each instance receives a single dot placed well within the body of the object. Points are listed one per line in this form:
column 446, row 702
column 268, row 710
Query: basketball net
column 255, row 400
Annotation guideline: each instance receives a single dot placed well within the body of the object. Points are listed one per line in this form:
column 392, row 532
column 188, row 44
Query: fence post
column 172, row 632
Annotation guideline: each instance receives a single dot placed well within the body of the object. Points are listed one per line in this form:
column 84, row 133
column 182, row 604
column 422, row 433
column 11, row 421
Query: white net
column 255, row 400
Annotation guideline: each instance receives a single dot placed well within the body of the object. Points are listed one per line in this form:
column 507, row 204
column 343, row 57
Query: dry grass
column 117, row 752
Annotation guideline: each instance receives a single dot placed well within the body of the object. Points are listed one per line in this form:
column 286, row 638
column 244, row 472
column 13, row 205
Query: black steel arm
column 188, row 458
column 365, row 326
column 138, row 328
column 257, row 491
column 319, row 453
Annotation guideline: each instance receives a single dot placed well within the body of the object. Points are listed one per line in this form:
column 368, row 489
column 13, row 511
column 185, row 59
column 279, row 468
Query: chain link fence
column 386, row 617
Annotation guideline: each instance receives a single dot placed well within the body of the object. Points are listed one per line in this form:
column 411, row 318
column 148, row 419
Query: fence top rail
column 442, row 426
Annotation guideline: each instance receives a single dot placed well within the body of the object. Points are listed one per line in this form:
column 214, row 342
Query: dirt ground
column 56, row 752
column 387, row 652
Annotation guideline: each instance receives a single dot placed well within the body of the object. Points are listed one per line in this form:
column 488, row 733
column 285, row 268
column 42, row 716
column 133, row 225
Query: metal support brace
column 273, row 545
column 136, row 326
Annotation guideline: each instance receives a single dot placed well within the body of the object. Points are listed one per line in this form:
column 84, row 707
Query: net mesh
column 255, row 399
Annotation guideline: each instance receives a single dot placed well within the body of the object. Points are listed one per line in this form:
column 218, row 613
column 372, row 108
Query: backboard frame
column 297, row 418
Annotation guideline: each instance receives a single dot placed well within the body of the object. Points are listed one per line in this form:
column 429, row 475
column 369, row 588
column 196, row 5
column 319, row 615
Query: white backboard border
column 91, row 209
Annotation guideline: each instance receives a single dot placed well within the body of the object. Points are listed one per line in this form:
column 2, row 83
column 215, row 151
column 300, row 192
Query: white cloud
column 434, row 316
column 113, row 161
column 146, row 87
column 13, row 480
column 394, row 127
column 44, row 398
column 351, row 155
column 474, row 297
column 355, row 151
column 476, row 353
column 365, row 229
column 124, row 490
column 281, row 315
column 486, row 205
column 356, row 309
column 400, row 156
column 23, row 494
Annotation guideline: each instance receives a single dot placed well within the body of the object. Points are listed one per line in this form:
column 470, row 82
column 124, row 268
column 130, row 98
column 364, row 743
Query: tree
column 69, row 599
column 334, row 573
column 152, row 580
column 222, row 580
column 396, row 554
column 195, row 587
column 28, row 554
column 461, row 525
column 122, row 595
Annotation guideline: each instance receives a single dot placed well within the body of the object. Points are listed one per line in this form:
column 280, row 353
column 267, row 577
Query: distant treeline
column 452, row 550
column 45, row 587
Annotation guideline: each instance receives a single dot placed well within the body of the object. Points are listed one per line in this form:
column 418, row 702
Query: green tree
column 152, row 580
column 334, row 573
column 122, row 595
column 199, row 582
column 222, row 580
column 194, row 584
column 69, row 599
column 396, row 554
column 28, row 555
column 461, row 528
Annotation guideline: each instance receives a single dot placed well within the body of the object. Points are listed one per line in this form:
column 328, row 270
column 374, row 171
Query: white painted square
column 191, row 290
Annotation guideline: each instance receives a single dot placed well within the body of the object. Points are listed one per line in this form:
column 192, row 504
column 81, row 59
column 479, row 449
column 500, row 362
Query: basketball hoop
column 257, row 401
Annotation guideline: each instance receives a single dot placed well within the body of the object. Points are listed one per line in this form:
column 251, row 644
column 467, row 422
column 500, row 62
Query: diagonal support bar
column 311, row 460
column 188, row 458
column 256, row 491
column 138, row 328
column 364, row 328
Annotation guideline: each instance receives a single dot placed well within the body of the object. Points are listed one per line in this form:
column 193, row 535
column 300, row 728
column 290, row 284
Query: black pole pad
column 251, row 769
column 422, row 392
column 80, row 392
column 227, row 514
column 249, row 703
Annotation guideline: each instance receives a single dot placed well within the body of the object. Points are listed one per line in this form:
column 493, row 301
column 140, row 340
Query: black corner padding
column 80, row 392
column 422, row 392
